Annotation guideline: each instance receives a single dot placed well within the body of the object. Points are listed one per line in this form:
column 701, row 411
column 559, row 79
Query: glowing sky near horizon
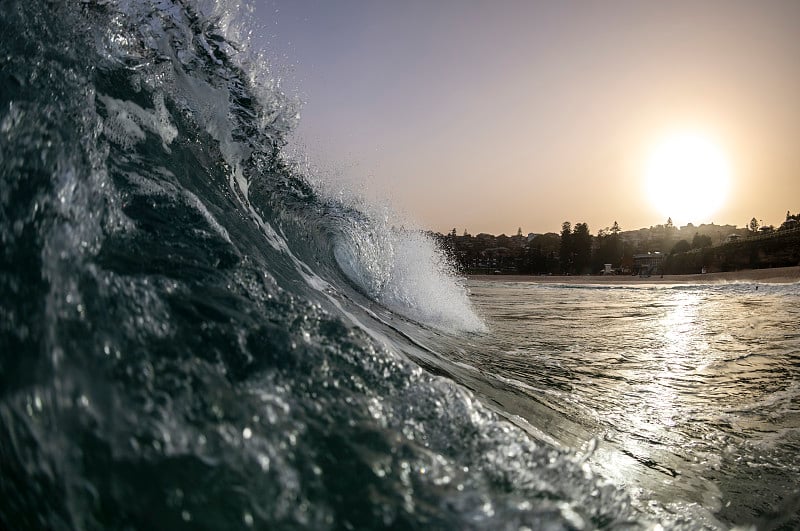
column 489, row 116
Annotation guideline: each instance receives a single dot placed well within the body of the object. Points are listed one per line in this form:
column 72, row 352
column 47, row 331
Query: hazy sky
column 494, row 115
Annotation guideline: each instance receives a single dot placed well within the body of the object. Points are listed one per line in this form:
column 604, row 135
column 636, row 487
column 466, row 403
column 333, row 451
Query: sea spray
column 406, row 272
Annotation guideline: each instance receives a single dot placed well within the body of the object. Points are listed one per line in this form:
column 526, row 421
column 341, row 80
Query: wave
column 194, row 336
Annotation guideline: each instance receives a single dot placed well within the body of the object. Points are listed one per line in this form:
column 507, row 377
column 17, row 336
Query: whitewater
column 194, row 336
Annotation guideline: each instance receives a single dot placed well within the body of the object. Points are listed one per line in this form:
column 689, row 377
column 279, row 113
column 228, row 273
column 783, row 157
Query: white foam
column 125, row 120
column 405, row 271
column 209, row 217
column 422, row 285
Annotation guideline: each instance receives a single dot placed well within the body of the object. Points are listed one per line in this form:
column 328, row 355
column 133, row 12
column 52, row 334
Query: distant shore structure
column 646, row 264
column 661, row 249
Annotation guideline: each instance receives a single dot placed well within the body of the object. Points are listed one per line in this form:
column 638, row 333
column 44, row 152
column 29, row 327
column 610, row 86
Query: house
column 646, row 264
column 789, row 224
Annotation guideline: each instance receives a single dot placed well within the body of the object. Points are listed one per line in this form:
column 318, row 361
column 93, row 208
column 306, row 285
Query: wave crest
column 405, row 271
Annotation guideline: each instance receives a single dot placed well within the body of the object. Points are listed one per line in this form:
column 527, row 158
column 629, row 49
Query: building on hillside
column 646, row 264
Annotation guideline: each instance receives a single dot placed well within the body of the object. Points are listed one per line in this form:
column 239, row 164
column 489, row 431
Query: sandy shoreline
column 778, row 275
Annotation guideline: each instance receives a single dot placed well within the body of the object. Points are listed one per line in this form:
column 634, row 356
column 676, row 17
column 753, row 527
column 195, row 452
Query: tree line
column 576, row 251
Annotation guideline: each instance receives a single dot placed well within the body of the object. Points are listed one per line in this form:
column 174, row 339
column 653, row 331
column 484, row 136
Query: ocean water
column 193, row 336
column 688, row 396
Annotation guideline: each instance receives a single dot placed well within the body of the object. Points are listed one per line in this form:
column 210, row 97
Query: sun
column 687, row 177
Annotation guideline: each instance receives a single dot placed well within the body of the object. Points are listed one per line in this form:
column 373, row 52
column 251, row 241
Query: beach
column 780, row 275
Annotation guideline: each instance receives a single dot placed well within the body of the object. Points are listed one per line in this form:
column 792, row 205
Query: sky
column 490, row 116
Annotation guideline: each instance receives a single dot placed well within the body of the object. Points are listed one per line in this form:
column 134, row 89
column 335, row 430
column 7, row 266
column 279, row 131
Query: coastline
column 777, row 275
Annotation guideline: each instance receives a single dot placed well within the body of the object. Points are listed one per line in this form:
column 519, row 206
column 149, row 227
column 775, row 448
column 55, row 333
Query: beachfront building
column 646, row 264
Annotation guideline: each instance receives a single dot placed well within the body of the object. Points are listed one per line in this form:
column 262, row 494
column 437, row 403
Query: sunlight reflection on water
column 690, row 389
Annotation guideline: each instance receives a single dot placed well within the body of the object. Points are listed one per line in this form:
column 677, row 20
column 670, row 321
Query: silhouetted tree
column 608, row 249
column 753, row 226
column 701, row 240
column 566, row 249
column 681, row 246
column 582, row 248
column 535, row 260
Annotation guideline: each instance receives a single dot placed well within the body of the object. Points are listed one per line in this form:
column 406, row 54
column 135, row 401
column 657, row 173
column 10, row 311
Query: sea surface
column 686, row 395
column 196, row 335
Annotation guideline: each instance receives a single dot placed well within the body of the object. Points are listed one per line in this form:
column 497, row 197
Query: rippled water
column 691, row 391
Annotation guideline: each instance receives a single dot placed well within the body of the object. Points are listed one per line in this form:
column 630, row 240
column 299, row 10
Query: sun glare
column 687, row 177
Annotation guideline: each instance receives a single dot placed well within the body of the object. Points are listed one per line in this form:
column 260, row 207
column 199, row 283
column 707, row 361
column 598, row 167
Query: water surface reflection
column 691, row 391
